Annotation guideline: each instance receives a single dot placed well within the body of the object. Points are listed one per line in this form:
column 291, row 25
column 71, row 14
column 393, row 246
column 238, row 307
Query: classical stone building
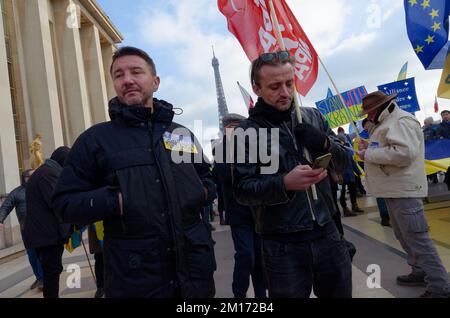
column 54, row 81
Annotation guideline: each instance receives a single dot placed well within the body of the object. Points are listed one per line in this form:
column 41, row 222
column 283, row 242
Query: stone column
column 72, row 72
column 95, row 76
column 9, row 168
column 40, row 73
column 107, row 53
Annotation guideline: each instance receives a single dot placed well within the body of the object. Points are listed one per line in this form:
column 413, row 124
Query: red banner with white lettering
column 251, row 23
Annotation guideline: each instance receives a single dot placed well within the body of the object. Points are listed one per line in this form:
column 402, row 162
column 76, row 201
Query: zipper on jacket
column 122, row 218
column 166, row 194
column 310, row 205
column 307, row 190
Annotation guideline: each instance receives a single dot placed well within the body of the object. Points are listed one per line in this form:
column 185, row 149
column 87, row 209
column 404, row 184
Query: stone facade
column 54, row 81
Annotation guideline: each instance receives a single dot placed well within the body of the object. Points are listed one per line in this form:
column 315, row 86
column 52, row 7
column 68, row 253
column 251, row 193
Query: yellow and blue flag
column 99, row 231
column 427, row 25
column 403, row 72
column 77, row 236
column 444, row 85
column 335, row 112
column 329, row 93
column 437, row 155
column 75, row 239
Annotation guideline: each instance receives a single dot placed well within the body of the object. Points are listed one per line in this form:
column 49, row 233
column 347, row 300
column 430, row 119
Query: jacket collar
column 270, row 113
column 393, row 107
column 135, row 115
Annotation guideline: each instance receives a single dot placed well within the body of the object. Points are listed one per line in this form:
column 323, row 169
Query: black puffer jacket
column 43, row 227
column 160, row 198
column 16, row 199
column 279, row 211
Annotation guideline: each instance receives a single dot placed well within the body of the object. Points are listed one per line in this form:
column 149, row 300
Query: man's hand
column 120, row 203
column 361, row 154
column 303, row 177
column 312, row 138
column 362, row 144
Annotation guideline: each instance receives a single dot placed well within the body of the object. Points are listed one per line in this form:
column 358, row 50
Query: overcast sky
column 360, row 42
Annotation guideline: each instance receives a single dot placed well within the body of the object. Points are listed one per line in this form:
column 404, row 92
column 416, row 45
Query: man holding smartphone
column 302, row 248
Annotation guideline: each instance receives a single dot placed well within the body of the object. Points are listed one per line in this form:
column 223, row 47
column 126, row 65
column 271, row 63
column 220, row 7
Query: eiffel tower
column 221, row 101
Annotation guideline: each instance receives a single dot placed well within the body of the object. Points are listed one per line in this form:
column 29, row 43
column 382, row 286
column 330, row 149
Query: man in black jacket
column 44, row 231
column 129, row 173
column 247, row 243
column 302, row 248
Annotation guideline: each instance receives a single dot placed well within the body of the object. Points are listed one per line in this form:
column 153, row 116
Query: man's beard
column 139, row 101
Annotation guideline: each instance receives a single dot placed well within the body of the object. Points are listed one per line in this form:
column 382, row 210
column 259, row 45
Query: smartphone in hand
column 322, row 161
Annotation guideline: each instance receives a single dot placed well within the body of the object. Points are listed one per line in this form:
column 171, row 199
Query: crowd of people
column 147, row 179
column 433, row 130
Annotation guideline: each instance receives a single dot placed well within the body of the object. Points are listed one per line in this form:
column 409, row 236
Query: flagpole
column 87, row 257
column 296, row 101
column 349, row 117
column 296, row 98
column 283, row 47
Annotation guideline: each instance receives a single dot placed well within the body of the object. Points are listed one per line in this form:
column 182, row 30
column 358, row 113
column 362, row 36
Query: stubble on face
column 134, row 82
column 277, row 85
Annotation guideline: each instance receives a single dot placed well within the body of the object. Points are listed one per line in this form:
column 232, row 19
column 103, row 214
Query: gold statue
column 36, row 152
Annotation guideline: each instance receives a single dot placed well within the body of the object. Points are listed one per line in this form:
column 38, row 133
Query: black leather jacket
column 279, row 211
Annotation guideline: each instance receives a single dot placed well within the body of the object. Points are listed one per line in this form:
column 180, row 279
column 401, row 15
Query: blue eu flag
column 427, row 24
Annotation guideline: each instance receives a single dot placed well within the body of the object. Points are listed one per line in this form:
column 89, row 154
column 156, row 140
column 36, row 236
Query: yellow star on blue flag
column 428, row 26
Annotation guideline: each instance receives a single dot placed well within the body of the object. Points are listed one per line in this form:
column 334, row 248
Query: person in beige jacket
column 395, row 170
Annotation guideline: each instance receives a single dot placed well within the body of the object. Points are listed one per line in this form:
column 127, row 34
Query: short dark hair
column 130, row 50
column 445, row 111
column 275, row 59
column 364, row 122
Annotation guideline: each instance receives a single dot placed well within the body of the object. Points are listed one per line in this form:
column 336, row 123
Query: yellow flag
column 444, row 86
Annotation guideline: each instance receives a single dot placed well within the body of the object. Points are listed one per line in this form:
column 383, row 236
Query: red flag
column 436, row 106
column 247, row 97
column 252, row 25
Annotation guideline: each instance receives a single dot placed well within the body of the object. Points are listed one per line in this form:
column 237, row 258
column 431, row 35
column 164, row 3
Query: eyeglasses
column 269, row 57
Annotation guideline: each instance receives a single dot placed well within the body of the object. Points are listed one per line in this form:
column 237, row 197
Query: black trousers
column 99, row 269
column 336, row 216
column 352, row 190
column 51, row 262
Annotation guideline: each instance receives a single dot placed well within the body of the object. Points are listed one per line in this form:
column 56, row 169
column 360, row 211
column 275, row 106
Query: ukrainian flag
column 444, row 85
column 334, row 111
column 75, row 239
column 437, row 155
column 77, row 236
column 403, row 72
column 99, row 231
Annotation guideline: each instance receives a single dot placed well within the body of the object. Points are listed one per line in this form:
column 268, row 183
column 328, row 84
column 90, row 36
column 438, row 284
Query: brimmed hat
column 375, row 100
column 229, row 118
